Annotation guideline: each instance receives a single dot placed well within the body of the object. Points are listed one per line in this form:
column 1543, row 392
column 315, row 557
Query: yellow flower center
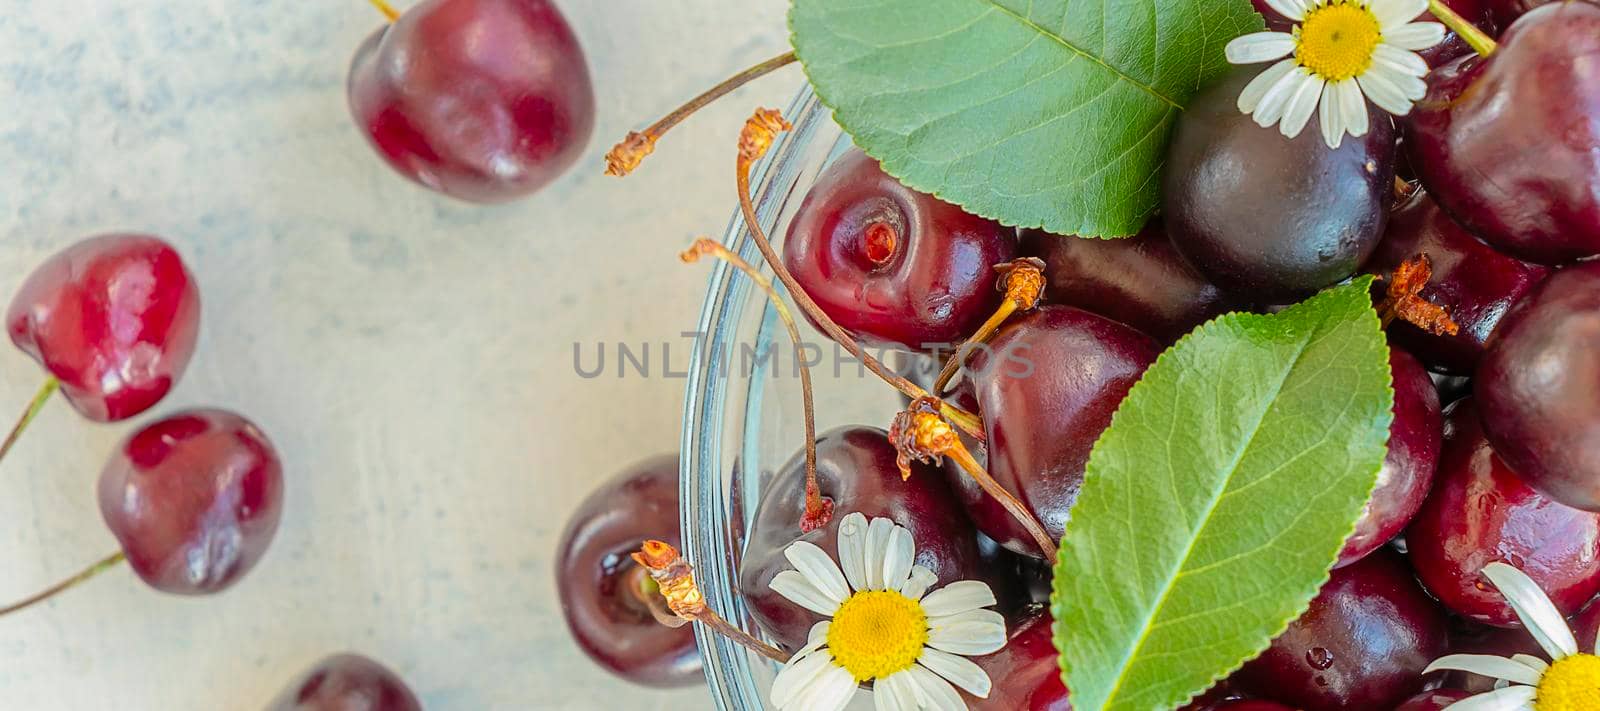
column 877, row 633
column 1572, row 684
column 1336, row 41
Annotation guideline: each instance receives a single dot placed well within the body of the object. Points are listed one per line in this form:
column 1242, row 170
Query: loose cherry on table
column 483, row 100
column 1407, row 474
column 1506, row 143
column 1481, row 512
column 1363, row 643
column 892, row 266
column 347, row 682
column 607, row 598
column 1140, row 280
column 1538, row 388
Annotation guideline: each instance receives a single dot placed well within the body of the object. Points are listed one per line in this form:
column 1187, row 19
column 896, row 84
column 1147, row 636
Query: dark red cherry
column 893, row 266
column 114, row 318
column 194, row 499
column 482, row 100
column 347, row 682
column 1508, row 145
column 1268, row 218
column 1252, row 705
column 1362, row 644
column 603, row 592
column 856, row 469
column 1472, row 281
column 1140, row 281
column 1407, row 474
column 1481, row 512
column 1047, row 386
column 1506, row 12
column 1538, row 388
column 1436, row 700
column 1026, row 673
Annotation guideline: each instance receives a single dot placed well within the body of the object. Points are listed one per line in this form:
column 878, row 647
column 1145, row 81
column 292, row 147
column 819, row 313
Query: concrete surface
column 411, row 357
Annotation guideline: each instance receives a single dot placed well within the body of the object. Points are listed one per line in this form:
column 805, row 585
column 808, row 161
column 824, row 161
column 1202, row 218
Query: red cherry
column 347, row 682
column 1436, row 700
column 194, row 499
column 114, row 318
column 482, row 100
column 1407, row 474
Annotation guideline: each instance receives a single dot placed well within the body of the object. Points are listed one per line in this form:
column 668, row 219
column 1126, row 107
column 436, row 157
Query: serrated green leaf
column 1036, row 113
column 1218, row 499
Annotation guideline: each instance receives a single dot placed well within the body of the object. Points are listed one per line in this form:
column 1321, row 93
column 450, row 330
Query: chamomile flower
column 1340, row 54
column 883, row 629
column 1569, row 682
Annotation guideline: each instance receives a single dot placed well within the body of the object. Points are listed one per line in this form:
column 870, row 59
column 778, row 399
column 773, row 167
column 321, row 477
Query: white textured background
column 410, row 357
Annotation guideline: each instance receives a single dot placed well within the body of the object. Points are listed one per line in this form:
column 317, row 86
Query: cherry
column 1140, row 281
column 1474, row 283
column 1269, row 218
column 483, row 100
column 856, row 469
column 605, row 596
column 1507, row 144
column 892, row 266
column 1480, row 512
column 1026, row 673
column 113, row 318
column 1508, row 11
column 347, row 682
column 1407, row 474
column 1252, row 705
column 1538, row 388
column 1362, row 644
column 194, row 499
column 1436, row 700
column 1047, row 386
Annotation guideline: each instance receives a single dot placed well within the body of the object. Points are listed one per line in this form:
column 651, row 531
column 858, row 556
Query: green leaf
column 1218, row 499
column 1052, row 113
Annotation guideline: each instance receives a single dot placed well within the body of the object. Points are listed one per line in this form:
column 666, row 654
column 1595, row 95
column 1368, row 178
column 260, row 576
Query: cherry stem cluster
column 104, row 564
column 674, row 578
column 1477, row 39
column 1022, row 281
column 51, row 385
column 819, row 510
column 1403, row 299
column 387, row 9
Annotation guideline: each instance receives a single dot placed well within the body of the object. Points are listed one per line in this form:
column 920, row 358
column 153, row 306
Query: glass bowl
column 742, row 412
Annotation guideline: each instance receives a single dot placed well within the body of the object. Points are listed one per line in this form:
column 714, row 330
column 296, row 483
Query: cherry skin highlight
column 1481, row 512
column 485, row 101
column 347, row 682
column 892, row 266
column 600, row 586
column 114, row 318
column 1538, row 388
column 1407, row 474
column 194, row 499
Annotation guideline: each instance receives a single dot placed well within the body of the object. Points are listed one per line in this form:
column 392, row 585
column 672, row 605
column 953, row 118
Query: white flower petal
column 1353, row 106
column 1304, row 103
column 1250, row 98
column 1401, row 60
column 1330, row 117
column 1510, row 698
column 1292, row 9
column 794, row 586
column 1531, row 662
column 921, row 579
column 1277, row 98
column 796, row 677
column 970, row 633
column 958, row 597
column 934, row 692
column 1395, row 13
column 1258, row 47
column 1535, row 610
column 1487, row 665
column 819, row 569
column 1411, row 87
column 815, row 639
column 1384, row 93
column 878, row 534
column 898, row 558
column 853, row 549
column 888, row 694
column 957, row 670
column 830, row 691
column 1416, row 36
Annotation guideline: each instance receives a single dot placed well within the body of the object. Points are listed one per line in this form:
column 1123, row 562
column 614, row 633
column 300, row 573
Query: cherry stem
column 959, row 358
column 1479, row 40
column 102, row 566
column 648, row 593
column 627, row 155
column 818, row 510
column 713, row 620
column 967, row 421
column 39, row 399
column 993, row 488
column 387, row 9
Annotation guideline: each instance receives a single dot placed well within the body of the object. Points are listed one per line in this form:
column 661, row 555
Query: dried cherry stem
column 674, row 577
column 754, row 140
column 51, row 385
column 1403, row 189
column 919, row 433
column 387, row 9
column 819, row 510
column 1403, row 299
column 626, row 156
column 102, row 566
column 1022, row 281
column 1477, row 39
